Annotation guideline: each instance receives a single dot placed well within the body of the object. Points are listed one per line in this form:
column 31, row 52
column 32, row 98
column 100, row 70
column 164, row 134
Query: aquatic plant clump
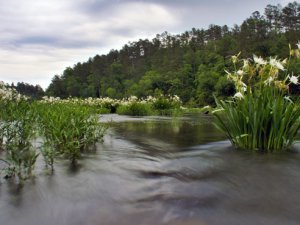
column 261, row 115
column 17, row 121
column 68, row 130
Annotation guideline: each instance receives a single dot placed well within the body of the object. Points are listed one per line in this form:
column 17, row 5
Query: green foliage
column 224, row 87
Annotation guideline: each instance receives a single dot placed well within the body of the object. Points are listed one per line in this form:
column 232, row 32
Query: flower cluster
column 109, row 102
column 257, row 73
column 87, row 101
column 263, row 116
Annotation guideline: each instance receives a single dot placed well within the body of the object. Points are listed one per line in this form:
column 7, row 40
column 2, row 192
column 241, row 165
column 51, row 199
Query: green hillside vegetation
column 190, row 65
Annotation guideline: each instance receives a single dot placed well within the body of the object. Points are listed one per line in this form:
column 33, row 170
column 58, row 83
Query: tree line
column 190, row 65
column 32, row 91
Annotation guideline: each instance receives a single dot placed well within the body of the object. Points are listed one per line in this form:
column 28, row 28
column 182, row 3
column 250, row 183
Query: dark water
column 160, row 171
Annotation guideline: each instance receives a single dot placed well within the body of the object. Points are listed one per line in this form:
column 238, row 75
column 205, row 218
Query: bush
column 135, row 109
column 166, row 105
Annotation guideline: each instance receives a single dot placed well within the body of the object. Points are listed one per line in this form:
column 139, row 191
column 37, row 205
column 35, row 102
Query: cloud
column 64, row 25
column 40, row 38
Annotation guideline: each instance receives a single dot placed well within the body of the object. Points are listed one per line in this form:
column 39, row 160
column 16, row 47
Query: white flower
column 242, row 84
column 269, row 81
column 293, row 79
column 240, row 72
column 238, row 95
column 132, row 98
column 176, row 98
column 246, row 63
column 275, row 63
column 298, row 44
column 234, row 58
column 284, row 61
column 259, row 60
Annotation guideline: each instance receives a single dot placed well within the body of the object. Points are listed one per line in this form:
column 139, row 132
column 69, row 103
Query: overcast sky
column 40, row 38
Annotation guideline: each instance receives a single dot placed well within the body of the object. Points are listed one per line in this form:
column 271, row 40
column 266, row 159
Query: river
column 159, row 170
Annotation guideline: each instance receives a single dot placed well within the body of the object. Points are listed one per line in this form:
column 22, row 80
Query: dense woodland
column 190, row 65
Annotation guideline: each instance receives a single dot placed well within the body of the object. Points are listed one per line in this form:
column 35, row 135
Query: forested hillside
column 190, row 65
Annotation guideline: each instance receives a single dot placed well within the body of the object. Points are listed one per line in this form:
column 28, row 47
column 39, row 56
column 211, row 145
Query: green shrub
column 166, row 105
column 135, row 109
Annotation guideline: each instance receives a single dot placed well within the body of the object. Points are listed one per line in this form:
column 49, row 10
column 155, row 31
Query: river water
column 156, row 170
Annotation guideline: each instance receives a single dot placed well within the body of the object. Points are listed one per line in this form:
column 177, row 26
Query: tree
column 273, row 15
column 290, row 16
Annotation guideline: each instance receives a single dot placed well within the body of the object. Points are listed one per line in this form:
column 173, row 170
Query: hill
column 190, row 65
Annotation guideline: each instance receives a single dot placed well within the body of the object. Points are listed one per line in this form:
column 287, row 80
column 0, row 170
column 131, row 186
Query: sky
column 40, row 38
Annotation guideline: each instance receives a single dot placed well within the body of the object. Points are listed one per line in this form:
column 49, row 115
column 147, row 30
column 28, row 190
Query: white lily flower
column 259, row 60
column 275, row 63
column 246, row 64
column 283, row 62
column 240, row 72
column 234, row 58
column 293, row 79
column 238, row 95
column 269, row 81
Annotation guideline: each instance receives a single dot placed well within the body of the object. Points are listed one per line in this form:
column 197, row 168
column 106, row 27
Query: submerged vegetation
column 261, row 115
column 17, row 130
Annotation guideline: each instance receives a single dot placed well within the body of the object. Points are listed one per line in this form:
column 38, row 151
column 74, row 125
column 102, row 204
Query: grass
column 266, row 122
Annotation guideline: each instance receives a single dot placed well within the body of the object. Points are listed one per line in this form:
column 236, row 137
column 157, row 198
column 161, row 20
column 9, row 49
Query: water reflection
column 160, row 171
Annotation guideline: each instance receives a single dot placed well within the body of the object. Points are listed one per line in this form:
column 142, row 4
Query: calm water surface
column 151, row 171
